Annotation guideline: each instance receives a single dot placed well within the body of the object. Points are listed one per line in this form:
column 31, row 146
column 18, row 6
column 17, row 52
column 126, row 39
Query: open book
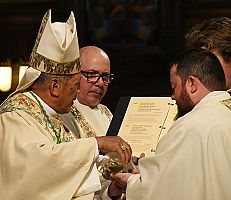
column 143, row 121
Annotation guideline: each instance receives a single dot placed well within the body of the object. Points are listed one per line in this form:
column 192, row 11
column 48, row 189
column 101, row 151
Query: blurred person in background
column 214, row 35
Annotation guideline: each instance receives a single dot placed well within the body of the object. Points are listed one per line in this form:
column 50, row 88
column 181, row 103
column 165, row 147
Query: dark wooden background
column 138, row 71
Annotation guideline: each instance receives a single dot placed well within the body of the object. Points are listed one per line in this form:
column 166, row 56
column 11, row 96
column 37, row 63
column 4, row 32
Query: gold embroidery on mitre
column 43, row 64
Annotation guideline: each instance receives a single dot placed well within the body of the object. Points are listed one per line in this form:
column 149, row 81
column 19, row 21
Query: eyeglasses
column 93, row 77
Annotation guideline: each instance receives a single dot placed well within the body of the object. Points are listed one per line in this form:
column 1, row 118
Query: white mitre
column 56, row 51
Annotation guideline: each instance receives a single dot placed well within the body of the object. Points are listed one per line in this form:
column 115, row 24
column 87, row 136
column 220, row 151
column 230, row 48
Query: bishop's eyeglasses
column 93, row 77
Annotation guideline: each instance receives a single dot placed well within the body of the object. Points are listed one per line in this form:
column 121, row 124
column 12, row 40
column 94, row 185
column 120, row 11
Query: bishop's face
column 179, row 93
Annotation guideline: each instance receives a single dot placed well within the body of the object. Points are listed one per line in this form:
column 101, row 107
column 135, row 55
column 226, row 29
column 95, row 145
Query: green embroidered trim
column 47, row 118
column 23, row 103
column 227, row 103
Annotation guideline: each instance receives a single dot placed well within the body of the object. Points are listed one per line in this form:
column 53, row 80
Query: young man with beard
column 192, row 160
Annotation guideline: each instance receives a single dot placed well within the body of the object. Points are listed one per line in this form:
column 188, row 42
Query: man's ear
column 55, row 86
column 192, row 84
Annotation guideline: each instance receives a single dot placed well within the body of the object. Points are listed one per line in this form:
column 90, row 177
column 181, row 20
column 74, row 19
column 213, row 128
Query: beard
column 184, row 104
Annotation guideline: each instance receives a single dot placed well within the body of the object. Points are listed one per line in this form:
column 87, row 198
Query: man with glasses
column 40, row 157
column 88, row 117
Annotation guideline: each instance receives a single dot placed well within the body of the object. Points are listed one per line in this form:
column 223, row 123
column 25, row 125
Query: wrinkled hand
column 117, row 144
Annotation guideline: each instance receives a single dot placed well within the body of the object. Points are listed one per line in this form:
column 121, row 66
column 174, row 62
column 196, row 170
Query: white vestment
column 87, row 122
column 84, row 122
column 193, row 160
column 39, row 157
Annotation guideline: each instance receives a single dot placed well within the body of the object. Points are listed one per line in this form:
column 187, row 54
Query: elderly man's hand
column 117, row 144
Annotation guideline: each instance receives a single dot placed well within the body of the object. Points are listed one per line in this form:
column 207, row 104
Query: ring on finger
column 124, row 148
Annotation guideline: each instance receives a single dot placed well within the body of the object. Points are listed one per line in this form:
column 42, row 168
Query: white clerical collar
column 47, row 108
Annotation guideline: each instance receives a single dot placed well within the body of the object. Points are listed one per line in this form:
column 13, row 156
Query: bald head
column 91, row 56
